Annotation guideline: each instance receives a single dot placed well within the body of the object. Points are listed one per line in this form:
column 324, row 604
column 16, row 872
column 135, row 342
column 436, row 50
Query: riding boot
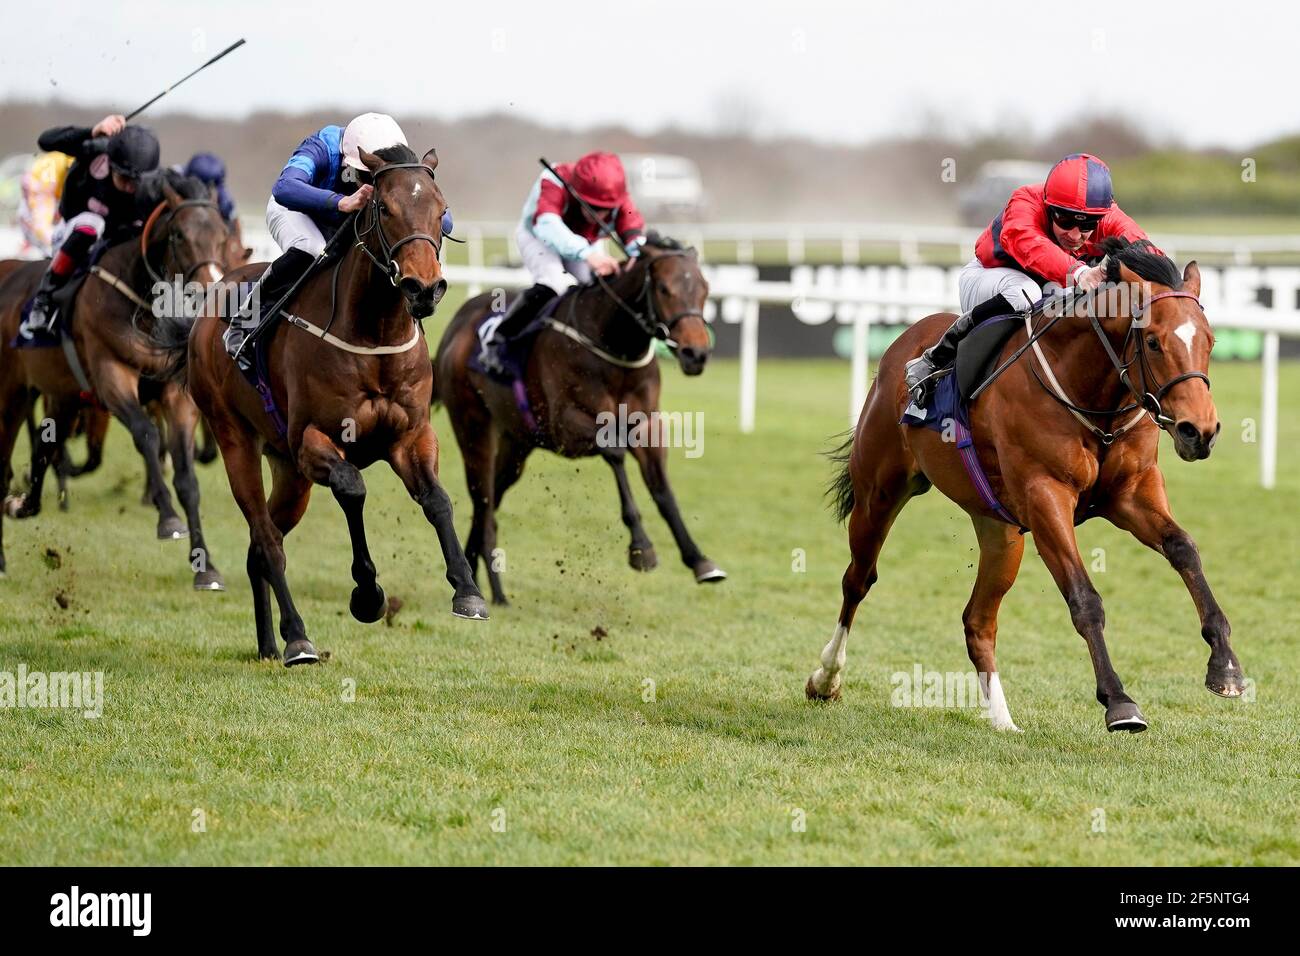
column 516, row 319
column 274, row 283
column 41, row 316
column 920, row 371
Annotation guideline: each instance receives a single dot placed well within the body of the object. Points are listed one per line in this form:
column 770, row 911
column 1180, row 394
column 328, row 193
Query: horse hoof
column 500, row 600
column 172, row 529
column 706, row 572
column 209, row 580
column 368, row 606
column 300, row 652
column 63, row 501
column 829, row 690
column 18, row 507
column 1125, row 716
column 642, row 559
column 470, row 606
column 1225, row 682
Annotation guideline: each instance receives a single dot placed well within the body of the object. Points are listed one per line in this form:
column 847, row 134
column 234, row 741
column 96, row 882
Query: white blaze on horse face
column 416, row 191
column 1187, row 332
column 826, row 679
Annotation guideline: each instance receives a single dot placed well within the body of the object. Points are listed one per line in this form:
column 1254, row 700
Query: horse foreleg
column 14, row 402
column 181, row 416
column 640, row 552
column 654, row 471
column 266, row 558
column 322, row 461
column 47, row 445
column 414, row 458
column 1050, row 513
column 1001, row 548
column 480, row 478
column 1143, row 511
column 118, row 386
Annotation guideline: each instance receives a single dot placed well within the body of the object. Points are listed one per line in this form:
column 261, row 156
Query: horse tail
column 840, row 490
column 170, row 335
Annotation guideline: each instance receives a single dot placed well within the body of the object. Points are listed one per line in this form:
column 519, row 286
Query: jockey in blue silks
column 319, row 187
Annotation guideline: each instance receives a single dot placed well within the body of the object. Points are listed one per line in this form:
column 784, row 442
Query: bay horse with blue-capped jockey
column 345, row 382
column 1064, row 434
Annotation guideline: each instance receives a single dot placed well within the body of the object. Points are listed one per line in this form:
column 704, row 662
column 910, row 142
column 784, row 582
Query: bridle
column 648, row 321
column 1147, row 397
column 388, row 264
column 172, row 237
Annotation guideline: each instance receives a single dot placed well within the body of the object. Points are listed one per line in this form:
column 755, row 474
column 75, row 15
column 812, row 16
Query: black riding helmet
column 133, row 151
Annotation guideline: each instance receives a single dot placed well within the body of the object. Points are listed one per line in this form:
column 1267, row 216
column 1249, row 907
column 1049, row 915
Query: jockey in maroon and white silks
column 560, row 241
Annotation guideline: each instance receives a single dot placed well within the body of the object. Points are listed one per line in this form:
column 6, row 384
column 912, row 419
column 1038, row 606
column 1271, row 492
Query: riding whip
column 238, row 43
column 607, row 229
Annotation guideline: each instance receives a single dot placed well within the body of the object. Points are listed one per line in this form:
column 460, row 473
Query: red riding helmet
column 599, row 179
column 1080, row 183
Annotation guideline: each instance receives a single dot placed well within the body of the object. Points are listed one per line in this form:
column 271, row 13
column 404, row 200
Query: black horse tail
column 840, row 490
column 170, row 335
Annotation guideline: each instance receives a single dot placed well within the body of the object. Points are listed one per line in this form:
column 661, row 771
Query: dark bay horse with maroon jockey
column 1051, row 459
column 592, row 354
column 116, row 365
column 346, row 381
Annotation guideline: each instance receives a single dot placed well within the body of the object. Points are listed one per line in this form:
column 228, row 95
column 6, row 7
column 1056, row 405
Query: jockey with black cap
column 1049, row 234
column 99, row 196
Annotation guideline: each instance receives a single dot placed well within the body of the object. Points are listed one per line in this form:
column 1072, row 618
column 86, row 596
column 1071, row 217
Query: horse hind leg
column 875, row 505
column 1001, row 548
column 640, row 551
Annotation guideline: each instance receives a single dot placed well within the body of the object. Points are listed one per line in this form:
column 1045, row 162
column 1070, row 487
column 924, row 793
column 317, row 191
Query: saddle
column 948, row 410
column 514, row 355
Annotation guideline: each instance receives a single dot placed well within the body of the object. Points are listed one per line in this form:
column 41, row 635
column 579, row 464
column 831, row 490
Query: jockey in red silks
column 1049, row 234
column 560, row 241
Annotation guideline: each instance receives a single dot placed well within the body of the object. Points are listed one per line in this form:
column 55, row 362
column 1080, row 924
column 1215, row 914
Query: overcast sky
column 1200, row 70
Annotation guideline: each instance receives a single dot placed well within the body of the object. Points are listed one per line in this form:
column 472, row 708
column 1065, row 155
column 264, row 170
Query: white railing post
column 794, row 250
column 748, row 365
column 860, row 363
column 1268, row 413
column 474, row 253
column 850, row 251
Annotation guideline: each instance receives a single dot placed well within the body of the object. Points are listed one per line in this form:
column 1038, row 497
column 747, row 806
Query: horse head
column 185, row 235
column 404, row 227
column 1171, row 341
column 676, row 294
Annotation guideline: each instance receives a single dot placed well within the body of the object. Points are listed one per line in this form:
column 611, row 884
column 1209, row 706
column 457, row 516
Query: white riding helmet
column 371, row 132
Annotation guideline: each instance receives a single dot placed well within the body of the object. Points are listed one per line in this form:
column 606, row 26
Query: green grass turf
column 531, row 720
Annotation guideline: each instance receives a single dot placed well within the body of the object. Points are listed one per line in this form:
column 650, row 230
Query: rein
column 648, row 321
column 1147, row 400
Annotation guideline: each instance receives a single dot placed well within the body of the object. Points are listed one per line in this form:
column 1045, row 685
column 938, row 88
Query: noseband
column 649, row 320
column 157, row 216
column 388, row 265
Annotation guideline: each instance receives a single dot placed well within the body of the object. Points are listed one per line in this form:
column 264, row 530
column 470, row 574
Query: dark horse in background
column 351, row 383
column 110, row 320
column 1051, row 466
column 594, row 353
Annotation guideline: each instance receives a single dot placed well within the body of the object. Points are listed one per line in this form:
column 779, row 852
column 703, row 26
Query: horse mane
column 150, row 189
column 398, row 153
column 658, row 241
column 1142, row 258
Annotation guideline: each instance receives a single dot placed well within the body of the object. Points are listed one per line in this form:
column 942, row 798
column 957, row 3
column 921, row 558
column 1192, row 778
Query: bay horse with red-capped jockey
column 348, row 383
column 1051, row 463
column 593, row 354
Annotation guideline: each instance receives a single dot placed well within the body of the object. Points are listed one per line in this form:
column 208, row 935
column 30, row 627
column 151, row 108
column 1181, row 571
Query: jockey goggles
column 1069, row 219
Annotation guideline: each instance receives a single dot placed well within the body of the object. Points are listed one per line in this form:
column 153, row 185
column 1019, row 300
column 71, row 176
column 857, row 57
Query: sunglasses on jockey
column 1068, row 219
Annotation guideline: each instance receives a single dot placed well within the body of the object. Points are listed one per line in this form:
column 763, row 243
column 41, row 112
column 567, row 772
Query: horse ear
column 431, row 159
column 372, row 161
column 171, row 195
column 1192, row 278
